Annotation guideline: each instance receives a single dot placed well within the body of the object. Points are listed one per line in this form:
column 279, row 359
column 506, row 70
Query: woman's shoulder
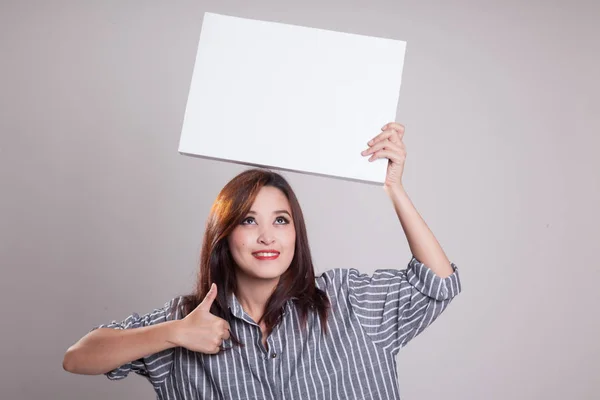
column 332, row 273
column 174, row 309
column 333, row 279
column 337, row 274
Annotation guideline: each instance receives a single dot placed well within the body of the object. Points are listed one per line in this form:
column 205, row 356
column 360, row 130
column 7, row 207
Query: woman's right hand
column 202, row 331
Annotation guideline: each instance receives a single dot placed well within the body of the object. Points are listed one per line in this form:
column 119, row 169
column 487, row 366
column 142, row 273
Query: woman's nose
column 266, row 238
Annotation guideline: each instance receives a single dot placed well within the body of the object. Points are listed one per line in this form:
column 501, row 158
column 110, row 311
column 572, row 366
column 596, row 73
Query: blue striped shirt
column 371, row 318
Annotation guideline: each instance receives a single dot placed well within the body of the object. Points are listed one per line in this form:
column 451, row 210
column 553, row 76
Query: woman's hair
column 217, row 265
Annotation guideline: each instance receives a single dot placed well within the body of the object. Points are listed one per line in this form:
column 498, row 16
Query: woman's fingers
column 385, row 144
column 391, row 155
column 226, row 334
column 394, row 125
column 394, row 135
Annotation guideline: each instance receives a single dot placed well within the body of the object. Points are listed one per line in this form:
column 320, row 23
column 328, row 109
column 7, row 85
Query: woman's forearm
column 105, row 349
column 423, row 244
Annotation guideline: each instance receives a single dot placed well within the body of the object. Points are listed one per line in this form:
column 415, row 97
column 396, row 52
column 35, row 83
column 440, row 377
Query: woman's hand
column 202, row 331
column 388, row 144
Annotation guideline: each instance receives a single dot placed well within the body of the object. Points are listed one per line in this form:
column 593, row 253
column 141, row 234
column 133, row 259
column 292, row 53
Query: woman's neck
column 253, row 295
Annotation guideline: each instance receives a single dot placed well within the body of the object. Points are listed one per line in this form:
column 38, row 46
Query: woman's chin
column 266, row 274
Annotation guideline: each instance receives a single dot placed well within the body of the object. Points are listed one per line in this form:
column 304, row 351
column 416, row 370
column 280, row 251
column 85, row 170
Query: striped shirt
column 371, row 318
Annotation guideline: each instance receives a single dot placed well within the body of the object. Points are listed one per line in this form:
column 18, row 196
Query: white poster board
column 289, row 97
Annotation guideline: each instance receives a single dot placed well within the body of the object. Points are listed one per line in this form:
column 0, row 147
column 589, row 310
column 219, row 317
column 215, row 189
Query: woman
column 260, row 325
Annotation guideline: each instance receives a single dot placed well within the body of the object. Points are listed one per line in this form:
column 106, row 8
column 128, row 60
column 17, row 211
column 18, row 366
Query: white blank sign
column 289, row 97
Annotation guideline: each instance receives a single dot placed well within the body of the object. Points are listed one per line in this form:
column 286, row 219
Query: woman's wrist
column 171, row 332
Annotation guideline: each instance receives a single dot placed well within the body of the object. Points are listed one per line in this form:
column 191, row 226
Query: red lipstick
column 266, row 254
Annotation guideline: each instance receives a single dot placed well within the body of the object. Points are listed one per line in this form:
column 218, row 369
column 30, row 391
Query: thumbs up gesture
column 202, row 331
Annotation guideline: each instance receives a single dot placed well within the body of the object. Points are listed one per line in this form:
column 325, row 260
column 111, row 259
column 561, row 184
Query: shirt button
column 274, row 355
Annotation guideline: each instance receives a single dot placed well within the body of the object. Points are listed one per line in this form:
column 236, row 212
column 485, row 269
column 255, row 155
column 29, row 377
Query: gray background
column 101, row 217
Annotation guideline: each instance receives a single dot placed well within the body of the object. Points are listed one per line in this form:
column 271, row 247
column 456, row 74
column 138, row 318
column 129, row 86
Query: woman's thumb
column 209, row 298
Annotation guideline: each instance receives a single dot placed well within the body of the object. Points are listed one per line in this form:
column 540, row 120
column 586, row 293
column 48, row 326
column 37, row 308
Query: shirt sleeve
column 155, row 367
column 394, row 306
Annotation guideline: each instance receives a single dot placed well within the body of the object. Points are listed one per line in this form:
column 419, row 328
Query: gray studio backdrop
column 100, row 216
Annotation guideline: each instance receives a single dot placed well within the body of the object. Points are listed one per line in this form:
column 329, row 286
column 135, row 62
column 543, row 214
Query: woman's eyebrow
column 274, row 212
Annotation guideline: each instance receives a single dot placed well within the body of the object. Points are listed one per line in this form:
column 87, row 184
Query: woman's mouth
column 266, row 255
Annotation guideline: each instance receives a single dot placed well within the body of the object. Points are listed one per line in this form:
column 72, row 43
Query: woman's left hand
column 388, row 144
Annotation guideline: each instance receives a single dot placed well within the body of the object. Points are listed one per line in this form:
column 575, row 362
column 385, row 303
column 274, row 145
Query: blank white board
column 290, row 97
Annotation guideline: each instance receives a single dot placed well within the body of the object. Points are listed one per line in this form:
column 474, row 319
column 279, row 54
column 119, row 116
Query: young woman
column 260, row 325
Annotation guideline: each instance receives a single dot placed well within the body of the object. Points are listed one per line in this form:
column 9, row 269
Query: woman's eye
column 244, row 222
column 278, row 220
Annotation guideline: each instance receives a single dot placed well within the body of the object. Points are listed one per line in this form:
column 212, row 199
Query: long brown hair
column 217, row 265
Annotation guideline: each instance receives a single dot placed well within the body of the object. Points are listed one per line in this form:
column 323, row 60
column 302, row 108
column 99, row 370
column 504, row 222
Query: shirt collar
column 238, row 311
column 235, row 307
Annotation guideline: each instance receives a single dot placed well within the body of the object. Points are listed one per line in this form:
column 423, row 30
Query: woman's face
column 263, row 245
